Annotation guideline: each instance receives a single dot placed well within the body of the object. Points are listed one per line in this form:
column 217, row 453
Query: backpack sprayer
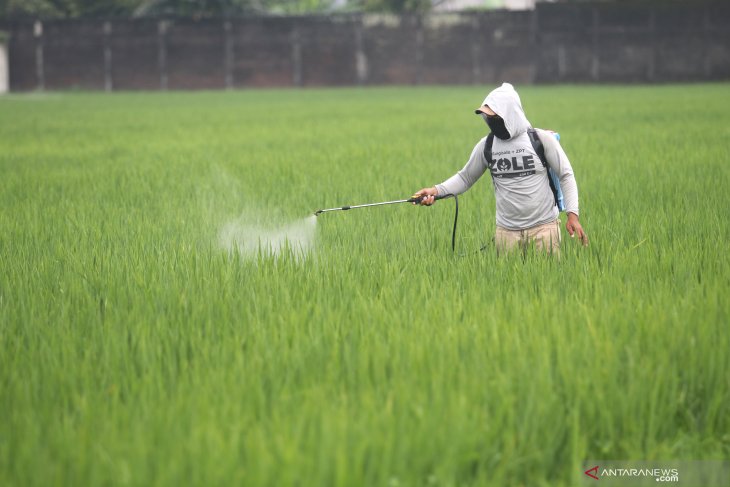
column 414, row 199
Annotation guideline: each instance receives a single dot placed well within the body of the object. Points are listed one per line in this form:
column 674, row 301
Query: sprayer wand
column 414, row 199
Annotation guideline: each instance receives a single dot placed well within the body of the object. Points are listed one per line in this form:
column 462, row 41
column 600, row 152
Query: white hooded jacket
column 521, row 188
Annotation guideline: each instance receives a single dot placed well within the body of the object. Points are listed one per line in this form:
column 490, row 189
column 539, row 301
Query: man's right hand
column 427, row 195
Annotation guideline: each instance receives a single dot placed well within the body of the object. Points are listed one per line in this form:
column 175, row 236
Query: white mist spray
column 250, row 239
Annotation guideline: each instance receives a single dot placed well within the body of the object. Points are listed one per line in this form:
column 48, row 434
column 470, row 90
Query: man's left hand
column 574, row 228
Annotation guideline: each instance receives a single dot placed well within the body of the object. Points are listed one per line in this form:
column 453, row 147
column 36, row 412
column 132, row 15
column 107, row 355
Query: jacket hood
column 505, row 102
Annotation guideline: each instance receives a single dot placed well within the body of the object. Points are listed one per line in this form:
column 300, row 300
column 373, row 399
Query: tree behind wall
column 188, row 8
column 395, row 6
column 59, row 9
column 53, row 9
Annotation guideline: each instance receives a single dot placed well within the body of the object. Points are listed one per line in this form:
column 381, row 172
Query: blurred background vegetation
column 64, row 9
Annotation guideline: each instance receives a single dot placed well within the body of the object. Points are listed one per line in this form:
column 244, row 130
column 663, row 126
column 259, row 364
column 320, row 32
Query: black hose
column 453, row 232
column 456, row 219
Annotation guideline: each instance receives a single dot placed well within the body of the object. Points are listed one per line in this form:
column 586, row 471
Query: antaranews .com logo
column 658, row 474
column 705, row 473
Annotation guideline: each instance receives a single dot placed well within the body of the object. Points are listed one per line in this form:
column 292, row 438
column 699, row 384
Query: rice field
column 171, row 314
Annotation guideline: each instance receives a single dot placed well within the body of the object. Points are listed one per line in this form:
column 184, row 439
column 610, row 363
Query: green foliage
column 205, row 8
column 50, row 9
column 135, row 349
column 395, row 6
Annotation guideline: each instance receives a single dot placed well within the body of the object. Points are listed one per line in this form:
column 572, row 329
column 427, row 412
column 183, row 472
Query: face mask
column 496, row 125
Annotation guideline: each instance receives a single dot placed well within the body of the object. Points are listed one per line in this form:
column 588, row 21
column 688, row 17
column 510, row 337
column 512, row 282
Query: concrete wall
column 555, row 43
column 628, row 42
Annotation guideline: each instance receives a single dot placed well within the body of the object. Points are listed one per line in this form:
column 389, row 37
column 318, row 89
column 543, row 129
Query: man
column 527, row 212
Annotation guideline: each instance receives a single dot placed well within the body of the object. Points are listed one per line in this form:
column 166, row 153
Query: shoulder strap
column 540, row 150
column 488, row 149
column 488, row 154
column 537, row 145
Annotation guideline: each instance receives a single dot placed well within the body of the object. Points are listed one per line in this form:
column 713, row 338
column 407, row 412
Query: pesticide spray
column 250, row 239
column 297, row 237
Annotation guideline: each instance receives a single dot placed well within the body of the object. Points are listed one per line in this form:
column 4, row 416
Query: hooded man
column 527, row 210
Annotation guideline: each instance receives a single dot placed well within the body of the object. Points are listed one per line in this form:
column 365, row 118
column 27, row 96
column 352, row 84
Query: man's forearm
column 570, row 193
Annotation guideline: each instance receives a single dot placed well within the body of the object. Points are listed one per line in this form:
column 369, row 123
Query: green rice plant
column 142, row 344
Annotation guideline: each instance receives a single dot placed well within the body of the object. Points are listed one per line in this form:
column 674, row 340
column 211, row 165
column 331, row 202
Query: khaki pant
column 545, row 238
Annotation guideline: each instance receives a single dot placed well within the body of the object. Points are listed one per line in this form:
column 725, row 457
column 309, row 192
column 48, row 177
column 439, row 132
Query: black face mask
column 496, row 125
